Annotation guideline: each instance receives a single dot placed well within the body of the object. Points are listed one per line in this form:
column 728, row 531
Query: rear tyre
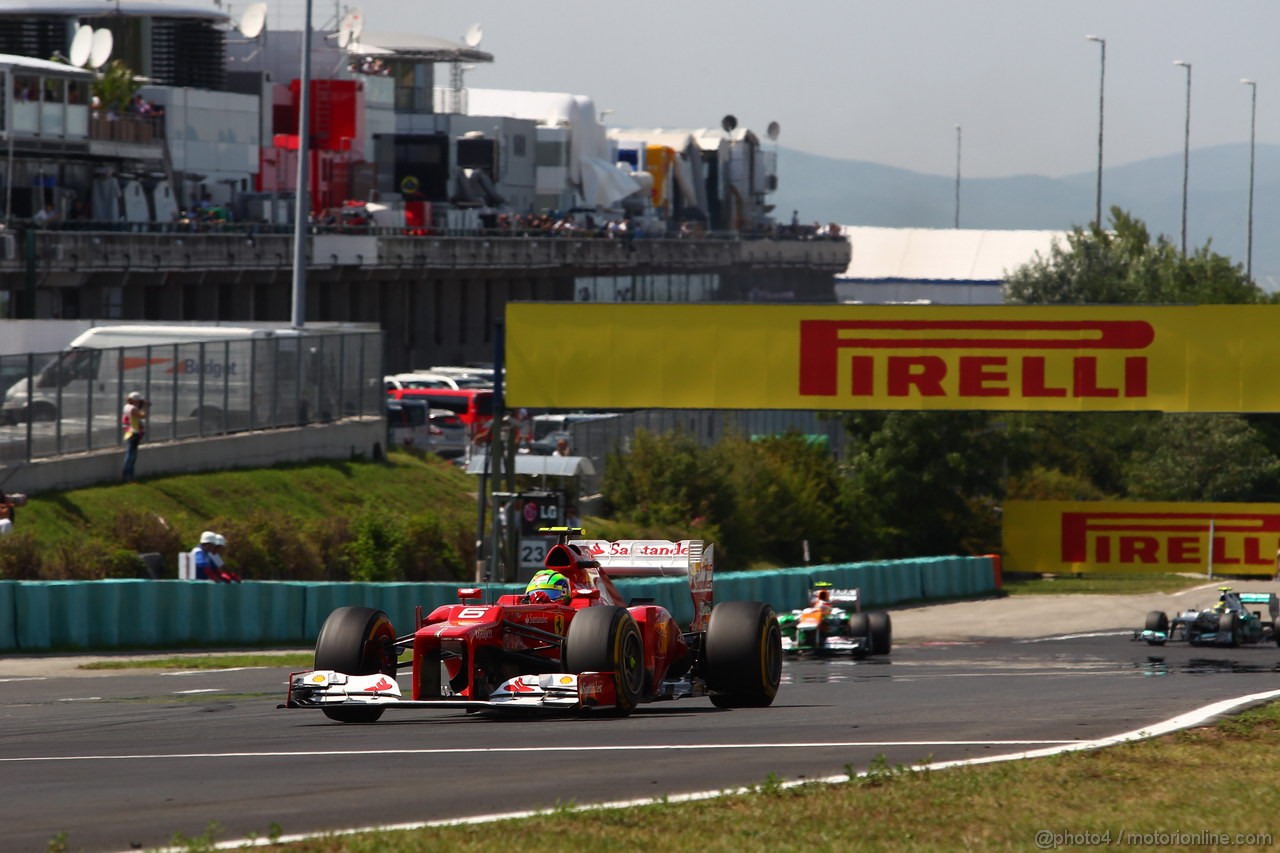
column 356, row 641
column 743, row 655
column 880, row 632
column 859, row 629
column 606, row 639
column 43, row 412
column 1275, row 631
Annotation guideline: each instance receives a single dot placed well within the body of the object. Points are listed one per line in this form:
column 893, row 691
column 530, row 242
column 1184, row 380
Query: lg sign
column 1007, row 358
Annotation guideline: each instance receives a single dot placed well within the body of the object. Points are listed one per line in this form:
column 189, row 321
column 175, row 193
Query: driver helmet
column 547, row 585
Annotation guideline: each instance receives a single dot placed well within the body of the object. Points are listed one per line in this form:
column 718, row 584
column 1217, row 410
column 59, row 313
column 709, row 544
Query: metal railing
column 72, row 401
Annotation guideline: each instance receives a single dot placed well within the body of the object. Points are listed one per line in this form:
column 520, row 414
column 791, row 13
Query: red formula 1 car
column 587, row 651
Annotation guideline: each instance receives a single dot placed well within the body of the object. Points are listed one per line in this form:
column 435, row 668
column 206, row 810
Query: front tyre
column 356, row 641
column 743, row 655
column 1228, row 630
column 606, row 639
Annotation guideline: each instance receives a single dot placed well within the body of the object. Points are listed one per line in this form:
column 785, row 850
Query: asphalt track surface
column 130, row 759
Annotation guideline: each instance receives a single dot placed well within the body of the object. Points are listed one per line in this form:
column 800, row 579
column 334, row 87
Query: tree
column 1197, row 457
column 116, row 87
column 1124, row 266
column 929, row 483
column 1142, row 455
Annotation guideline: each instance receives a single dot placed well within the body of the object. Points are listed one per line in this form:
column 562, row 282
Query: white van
column 185, row 371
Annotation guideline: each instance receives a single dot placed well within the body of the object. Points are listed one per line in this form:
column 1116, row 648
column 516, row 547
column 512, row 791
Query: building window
column 54, row 90
column 25, row 88
column 518, row 145
column 551, row 154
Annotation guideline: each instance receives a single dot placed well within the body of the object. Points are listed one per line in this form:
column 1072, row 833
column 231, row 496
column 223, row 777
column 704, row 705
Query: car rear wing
column 1268, row 598
column 848, row 597
column 646, row 558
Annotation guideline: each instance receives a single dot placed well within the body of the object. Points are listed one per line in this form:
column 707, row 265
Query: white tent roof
column 541, row 466
column 27, row 62
column 936, row 254
column 411, row 46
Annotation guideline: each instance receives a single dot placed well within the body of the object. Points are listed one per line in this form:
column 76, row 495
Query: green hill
column 408, row 518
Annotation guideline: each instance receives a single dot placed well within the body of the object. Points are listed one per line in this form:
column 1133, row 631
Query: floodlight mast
column 301, row 202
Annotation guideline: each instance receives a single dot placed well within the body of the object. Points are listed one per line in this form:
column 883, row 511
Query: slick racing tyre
column 859, row 629
column 1228, row 630
column 606, row 639
column 1157, row 620
column 356, row 641
column 743, row 655
column 880, row 632
column 1275, row 631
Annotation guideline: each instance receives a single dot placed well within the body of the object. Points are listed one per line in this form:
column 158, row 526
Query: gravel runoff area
column 1012, row 617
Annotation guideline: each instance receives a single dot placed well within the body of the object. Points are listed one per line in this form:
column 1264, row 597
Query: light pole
column 302, row 205
column 1186, row 154
column 1102, row 83
column 957, row 176
column 1253, row 125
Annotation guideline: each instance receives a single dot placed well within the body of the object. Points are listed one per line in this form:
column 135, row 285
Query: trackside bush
column 757, row 500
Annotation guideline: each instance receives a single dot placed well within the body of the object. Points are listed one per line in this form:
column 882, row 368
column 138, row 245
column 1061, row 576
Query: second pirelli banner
column 1126, row 537
column 1218, row 358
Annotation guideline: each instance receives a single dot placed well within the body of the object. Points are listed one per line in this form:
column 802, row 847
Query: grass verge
column 297, row 660
column 1210, row 787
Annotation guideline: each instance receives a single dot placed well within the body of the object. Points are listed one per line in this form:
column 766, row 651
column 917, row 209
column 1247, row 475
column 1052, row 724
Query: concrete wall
column 354, row 437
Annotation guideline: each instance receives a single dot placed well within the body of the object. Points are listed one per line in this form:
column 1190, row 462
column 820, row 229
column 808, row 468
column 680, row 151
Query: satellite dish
column 100, row 49
column 350, row 28
column 253, row 20
column 773, row 130
column 729, row 122
column 474, row 34
column 81, row 44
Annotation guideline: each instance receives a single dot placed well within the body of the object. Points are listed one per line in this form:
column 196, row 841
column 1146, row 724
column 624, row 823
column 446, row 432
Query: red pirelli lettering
column 1138, row 538
column 822, row 343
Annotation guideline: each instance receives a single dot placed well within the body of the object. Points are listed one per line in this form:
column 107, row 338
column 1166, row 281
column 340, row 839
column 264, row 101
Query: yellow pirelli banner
column 1131, row 536
column 1220, row 358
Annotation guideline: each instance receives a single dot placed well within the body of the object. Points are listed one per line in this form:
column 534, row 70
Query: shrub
column 144, row 532
column 19, row 556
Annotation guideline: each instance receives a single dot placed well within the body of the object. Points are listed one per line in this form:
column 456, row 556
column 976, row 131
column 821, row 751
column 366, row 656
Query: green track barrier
column 8, row 616
column 107, row 614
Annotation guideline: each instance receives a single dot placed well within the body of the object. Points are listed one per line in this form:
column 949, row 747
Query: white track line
column 1182, row 721
column 1076, row 636
column 495, row 750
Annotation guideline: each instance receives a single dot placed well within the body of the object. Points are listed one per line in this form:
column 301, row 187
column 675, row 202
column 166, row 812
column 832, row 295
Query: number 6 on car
column 586, row 651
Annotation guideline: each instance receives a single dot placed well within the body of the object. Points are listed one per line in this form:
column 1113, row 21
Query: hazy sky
column 886, row 81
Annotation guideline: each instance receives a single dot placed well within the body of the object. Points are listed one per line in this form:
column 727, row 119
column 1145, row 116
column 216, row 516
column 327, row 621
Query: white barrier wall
column 352, row 438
